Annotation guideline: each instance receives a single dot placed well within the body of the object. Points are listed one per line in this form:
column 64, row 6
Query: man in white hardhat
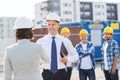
column 52, row 42
column 22, row 59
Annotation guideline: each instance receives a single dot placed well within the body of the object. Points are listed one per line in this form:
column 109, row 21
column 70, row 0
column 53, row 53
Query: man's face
column 83, row 38
column 66, row 35
column 53, row 26
column 107, row 36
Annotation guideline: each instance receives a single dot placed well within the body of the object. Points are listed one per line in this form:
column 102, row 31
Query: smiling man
column 86, row 62
column 110, row 52
column 56, row 69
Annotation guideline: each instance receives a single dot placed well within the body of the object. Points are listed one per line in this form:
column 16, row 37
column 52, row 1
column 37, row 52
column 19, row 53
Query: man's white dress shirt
column 46, row 42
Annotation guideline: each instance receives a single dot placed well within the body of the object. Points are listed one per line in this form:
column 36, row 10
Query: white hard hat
column 53, row 16
column 23, row 22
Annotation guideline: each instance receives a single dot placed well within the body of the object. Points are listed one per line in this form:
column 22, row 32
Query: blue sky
column 17, row 8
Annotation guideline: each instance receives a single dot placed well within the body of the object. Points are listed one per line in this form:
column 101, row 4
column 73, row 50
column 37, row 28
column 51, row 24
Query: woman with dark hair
column 22, row 59
column 24, row 34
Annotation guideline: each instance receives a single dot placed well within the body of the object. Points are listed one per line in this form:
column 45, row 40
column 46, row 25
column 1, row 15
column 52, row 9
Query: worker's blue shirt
column 112, row 51
column 83, row 53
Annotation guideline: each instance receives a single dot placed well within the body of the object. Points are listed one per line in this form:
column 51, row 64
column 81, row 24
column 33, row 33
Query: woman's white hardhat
column 22, row 23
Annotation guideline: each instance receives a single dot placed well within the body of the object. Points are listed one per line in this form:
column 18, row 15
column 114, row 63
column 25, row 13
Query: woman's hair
column 24, row 33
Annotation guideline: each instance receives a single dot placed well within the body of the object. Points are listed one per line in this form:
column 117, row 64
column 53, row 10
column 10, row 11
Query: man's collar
column 57, row 35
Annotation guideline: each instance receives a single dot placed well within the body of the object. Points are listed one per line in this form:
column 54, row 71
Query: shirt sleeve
column 116, row 49
column 91, row 50
column 7, row 67
column 84, row 53
column 72, row 54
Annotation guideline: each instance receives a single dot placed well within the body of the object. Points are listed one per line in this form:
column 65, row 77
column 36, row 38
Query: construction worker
column 86, row 62
column 52, row 42
column 110, row 53
column 65, row 32
column 22, row 59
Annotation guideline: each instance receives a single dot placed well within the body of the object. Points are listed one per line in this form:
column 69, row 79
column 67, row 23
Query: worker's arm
column 72, row 54
column 89, row 51
column 116, row 57
column 113, row 71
